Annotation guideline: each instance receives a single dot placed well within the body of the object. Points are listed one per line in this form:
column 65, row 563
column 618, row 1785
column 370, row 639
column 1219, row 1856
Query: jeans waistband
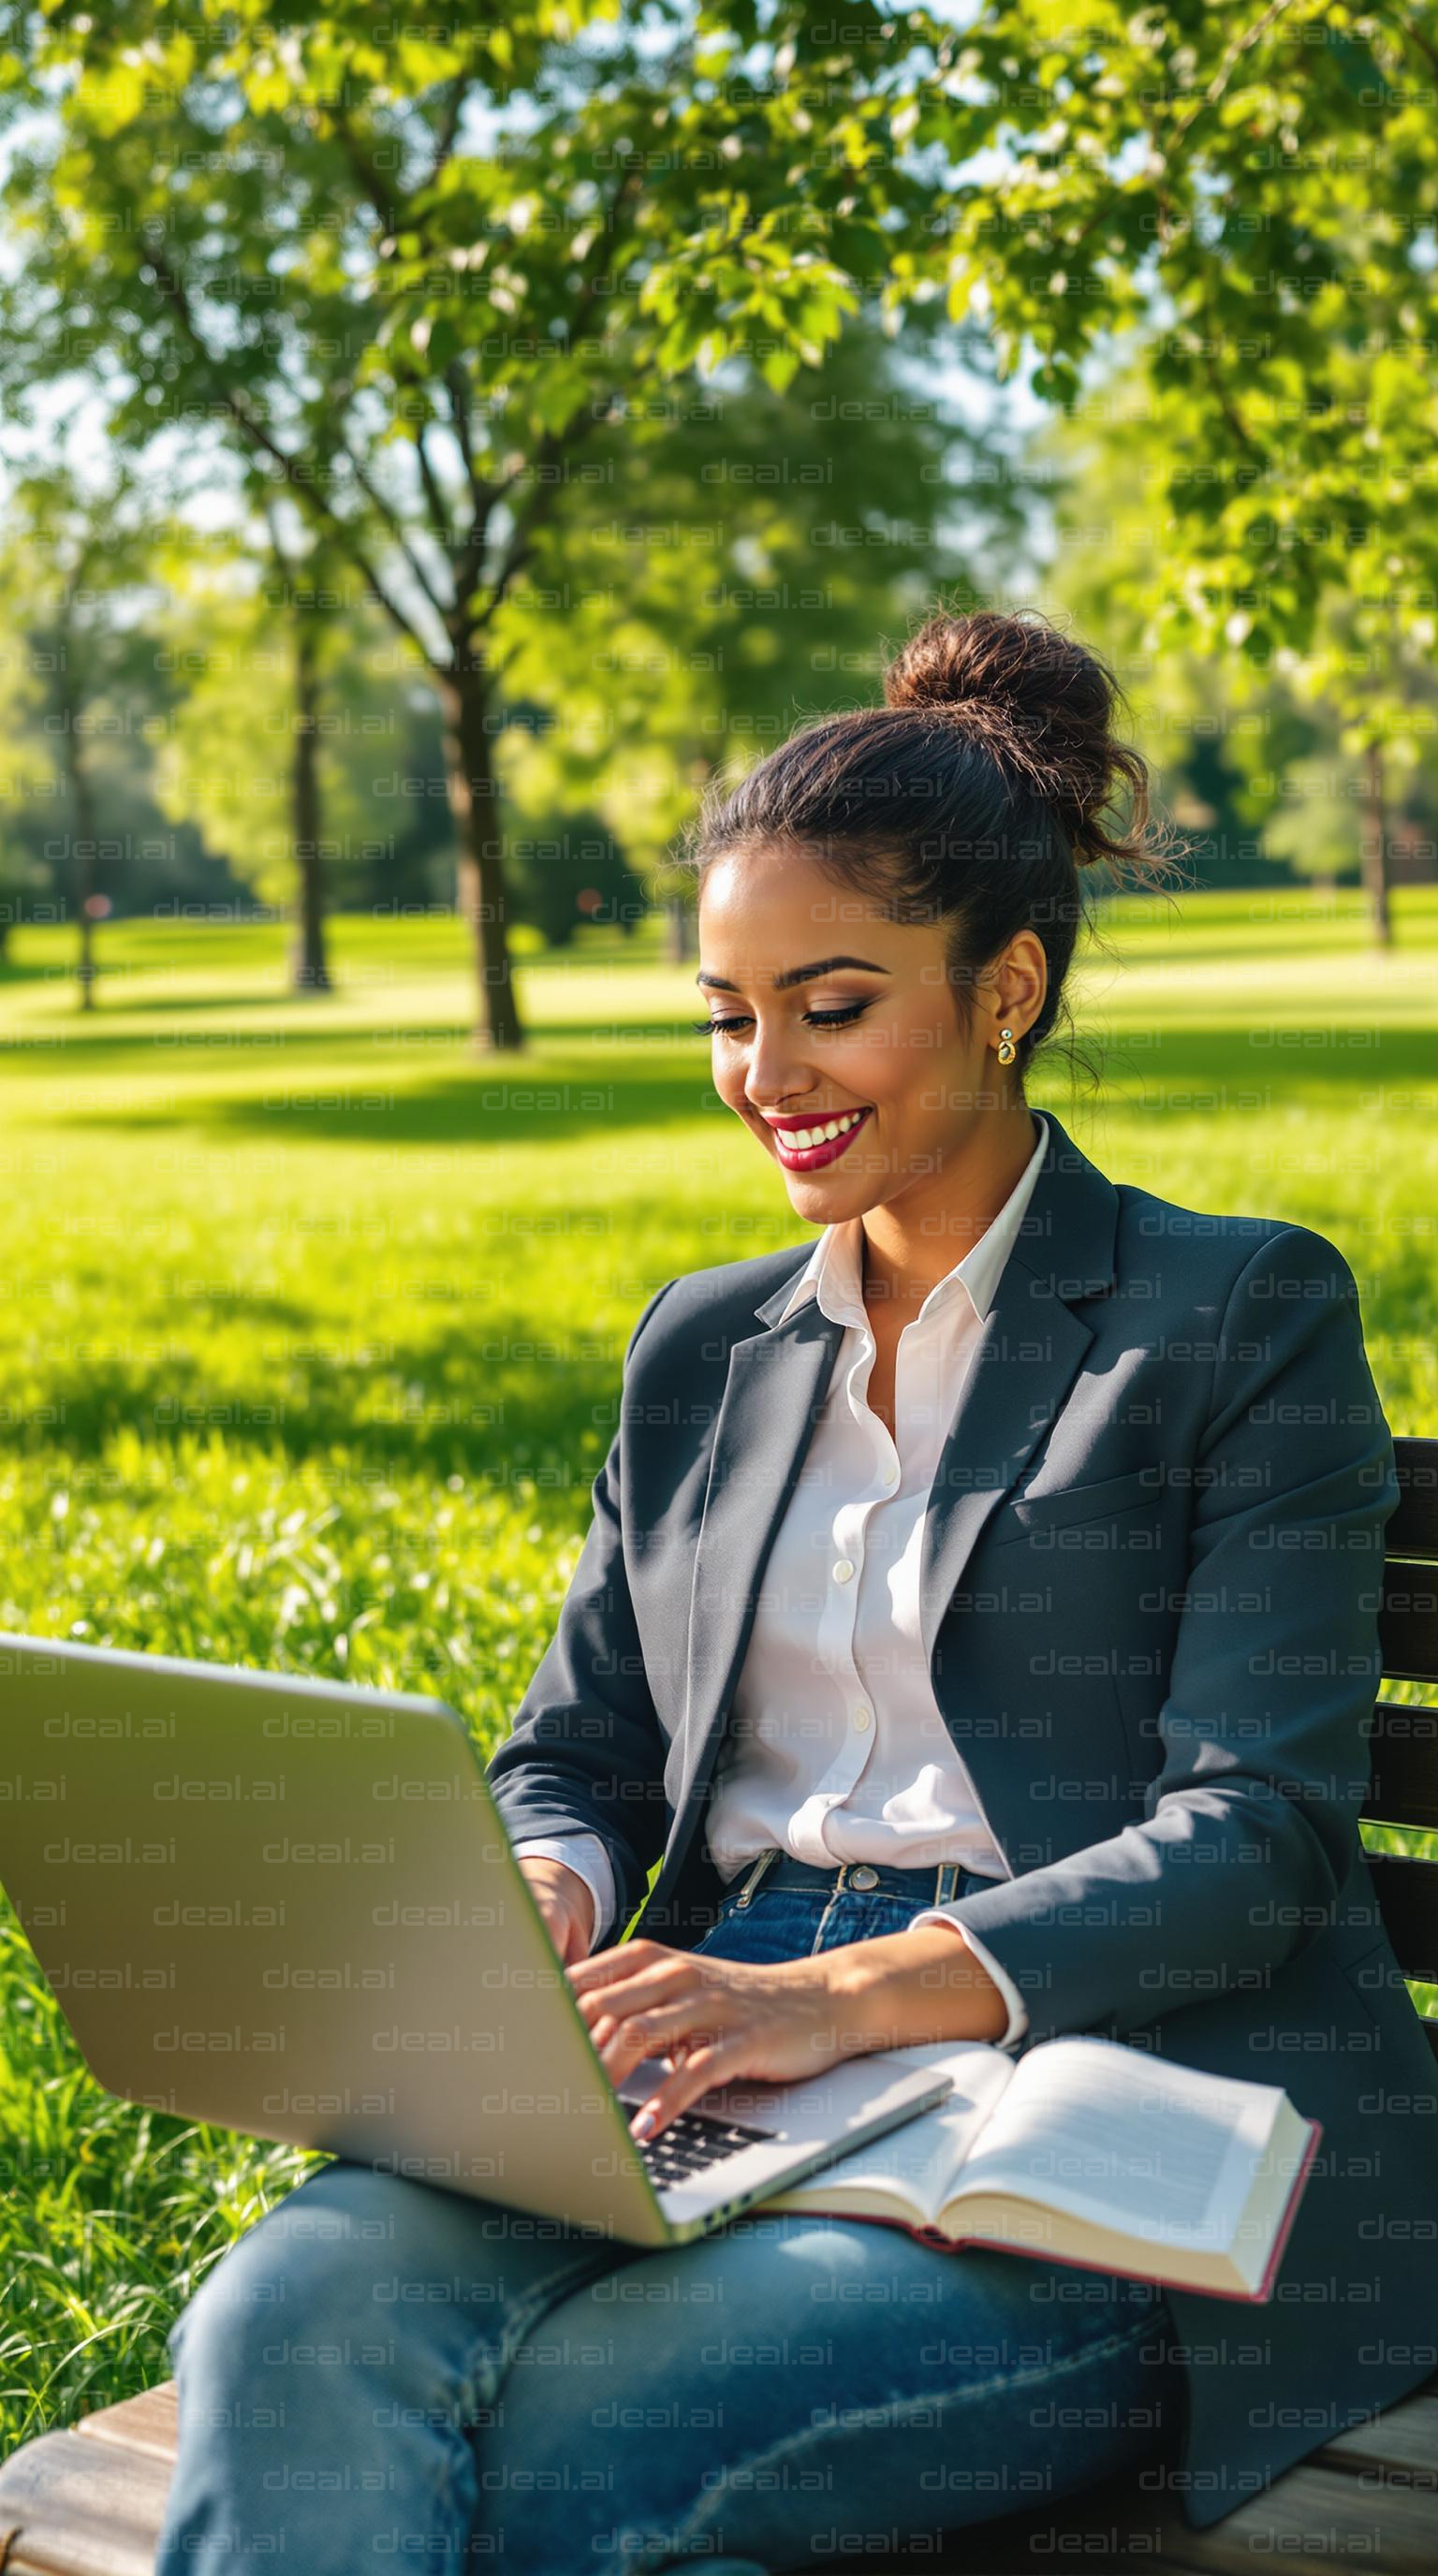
column 938, row 1884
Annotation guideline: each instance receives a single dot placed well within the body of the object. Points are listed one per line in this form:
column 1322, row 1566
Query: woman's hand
column 566, row 1902
column 717, row 2020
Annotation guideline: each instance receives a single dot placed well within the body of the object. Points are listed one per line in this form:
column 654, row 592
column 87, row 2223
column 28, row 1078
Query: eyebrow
column 797, row 974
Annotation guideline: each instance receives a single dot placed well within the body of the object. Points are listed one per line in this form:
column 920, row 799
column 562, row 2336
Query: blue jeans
column 382, row 2373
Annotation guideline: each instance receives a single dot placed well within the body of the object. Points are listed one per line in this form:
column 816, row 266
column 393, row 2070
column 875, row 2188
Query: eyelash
column 816, row 1019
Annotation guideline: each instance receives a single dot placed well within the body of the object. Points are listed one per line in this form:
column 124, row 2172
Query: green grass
column 310, row 1331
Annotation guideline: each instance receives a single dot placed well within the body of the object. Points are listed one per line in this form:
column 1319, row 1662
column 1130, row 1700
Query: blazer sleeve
column 586, row 1751
column 1250, row 1826
column 586, row 1856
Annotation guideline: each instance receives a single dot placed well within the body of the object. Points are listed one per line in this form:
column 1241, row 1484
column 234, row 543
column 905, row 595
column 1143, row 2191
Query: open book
column 1083, row 2151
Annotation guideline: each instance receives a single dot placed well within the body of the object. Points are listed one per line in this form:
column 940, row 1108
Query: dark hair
column 973, row 796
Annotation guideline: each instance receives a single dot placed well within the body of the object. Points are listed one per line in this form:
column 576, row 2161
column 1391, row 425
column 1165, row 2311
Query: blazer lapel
column 774, row 1392
column 1024, row 1364
column 1020, row 1373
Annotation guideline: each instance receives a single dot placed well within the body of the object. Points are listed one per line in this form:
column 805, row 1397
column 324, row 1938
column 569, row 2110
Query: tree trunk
column 483, row 895
column 309, row 966
column 1374, row 850
column 681, row 929
column 82, row 811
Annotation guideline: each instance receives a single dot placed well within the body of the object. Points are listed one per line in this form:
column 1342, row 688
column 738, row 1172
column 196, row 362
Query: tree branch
column 392, row 520
column 458, row 392
column 372, row 181
column 1405, row 27
column 253, row 429
column 439, row 514
column 554, row 444
column 449, row 130
column 1233, row 54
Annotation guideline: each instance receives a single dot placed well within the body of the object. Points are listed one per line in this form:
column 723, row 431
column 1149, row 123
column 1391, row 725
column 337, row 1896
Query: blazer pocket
column 1027, row 1513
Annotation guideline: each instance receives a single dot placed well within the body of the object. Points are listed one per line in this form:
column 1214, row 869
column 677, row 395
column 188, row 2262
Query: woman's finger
column 689, row 2022
column 622, row 1960
column 706, row 2067
column 635, row 1989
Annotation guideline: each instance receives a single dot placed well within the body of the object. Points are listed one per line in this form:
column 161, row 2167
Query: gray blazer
column 1151, row 1571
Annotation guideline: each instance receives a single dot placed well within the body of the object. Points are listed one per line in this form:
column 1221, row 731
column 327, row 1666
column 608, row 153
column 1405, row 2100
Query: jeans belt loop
column 757, row 1872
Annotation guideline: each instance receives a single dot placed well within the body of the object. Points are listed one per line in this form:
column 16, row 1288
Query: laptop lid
column 289, row 1906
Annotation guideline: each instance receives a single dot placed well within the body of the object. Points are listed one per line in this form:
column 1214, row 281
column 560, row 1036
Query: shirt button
column 891, row 1475
column 843, row 1570
column 862, row 1717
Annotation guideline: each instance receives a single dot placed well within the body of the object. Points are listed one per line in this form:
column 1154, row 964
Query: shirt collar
column 834, row 1272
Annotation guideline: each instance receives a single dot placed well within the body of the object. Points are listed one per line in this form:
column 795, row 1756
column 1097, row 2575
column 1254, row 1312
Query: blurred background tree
column 1251, row 205
column 79, row 584
column 290, row 738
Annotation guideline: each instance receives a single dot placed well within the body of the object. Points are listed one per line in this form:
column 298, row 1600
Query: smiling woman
column 948, row 829
column 951, row 1631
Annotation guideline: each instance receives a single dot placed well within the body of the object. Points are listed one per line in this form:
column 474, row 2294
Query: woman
column 978, row 1616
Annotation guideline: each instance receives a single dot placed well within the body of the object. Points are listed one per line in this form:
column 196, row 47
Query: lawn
column 310, row 1332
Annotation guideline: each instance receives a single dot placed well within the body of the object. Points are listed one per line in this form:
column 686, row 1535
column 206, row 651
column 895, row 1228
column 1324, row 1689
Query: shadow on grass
column 1261, row 1069
column 658, row 1083
column 421, row 1405
column 493, row 1395
column 162, row 1005
column 106, row 1031
column 484, row 1108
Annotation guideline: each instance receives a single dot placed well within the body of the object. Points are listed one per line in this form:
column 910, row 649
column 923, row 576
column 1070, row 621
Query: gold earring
column 1007, row 1048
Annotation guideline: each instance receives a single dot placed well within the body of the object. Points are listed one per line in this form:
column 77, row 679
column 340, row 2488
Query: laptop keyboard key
column 693, row 2142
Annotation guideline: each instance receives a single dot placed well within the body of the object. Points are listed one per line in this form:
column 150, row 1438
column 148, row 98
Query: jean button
column 863, row 1876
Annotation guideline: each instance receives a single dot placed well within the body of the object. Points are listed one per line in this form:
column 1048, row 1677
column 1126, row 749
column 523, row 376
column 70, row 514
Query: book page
column 922, row 2160
column 1114, row 2135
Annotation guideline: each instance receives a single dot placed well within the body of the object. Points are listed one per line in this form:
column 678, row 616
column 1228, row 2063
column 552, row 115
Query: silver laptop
column 291, row 1908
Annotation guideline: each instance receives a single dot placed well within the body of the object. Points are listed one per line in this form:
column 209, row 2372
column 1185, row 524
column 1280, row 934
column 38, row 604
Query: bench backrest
column 1404, row 1789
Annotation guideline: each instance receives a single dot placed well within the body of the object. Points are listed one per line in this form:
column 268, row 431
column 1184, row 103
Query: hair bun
column 1042, row 705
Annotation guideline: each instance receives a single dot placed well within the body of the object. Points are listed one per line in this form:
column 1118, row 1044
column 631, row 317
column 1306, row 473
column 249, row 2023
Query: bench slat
column 148, row 2423
column 1404, row 2440
column 1413, row 1530
column 81, row 2508
column 1408, row 1623
column 1312, row 2518
column 1407, row 1894
column 1404, row 1788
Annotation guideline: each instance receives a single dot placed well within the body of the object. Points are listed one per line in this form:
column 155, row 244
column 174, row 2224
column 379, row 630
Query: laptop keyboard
column 691, row 2143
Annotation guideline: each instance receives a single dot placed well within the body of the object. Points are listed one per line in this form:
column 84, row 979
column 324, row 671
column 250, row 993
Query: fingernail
column 641, row 2124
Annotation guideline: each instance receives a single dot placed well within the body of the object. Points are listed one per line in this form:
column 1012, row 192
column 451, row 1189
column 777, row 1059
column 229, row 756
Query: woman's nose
column 777, row 1076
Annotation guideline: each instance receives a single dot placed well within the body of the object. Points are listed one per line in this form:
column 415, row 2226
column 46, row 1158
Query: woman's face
column 874, row 1043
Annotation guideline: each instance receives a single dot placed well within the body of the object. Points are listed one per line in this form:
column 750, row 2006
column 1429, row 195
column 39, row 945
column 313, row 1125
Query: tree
column 289, row 731
column 408, row 270
column 1252, row 200
column 76, row 564
column 27, row 769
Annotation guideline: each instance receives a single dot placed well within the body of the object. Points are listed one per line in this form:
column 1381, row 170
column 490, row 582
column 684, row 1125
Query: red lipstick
column 813, row 1158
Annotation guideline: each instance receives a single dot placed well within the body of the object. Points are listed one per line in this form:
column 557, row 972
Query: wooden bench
column 89, row 2502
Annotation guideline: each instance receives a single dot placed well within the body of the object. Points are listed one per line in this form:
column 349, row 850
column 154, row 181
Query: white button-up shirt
column 837, row 1748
